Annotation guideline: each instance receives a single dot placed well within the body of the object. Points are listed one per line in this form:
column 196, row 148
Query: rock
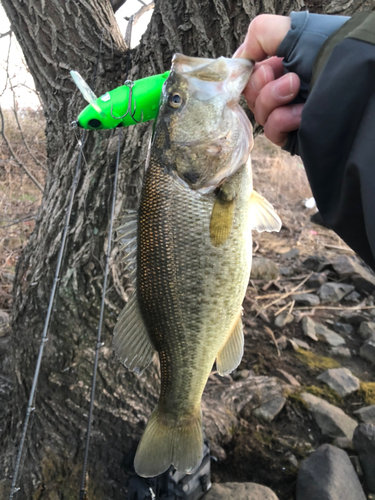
column 292, row 459
column 241, row 491
column 344, row 443
column 282, row 342
column 306, row 299
column 353, row 297
column 328, row 474
column 283, row 319
column 285, row 271
column 264, row 269
column 341, row 351
column 308, row 328
column 326, row 335
column 333, row 422
column 349, row 267
column 217, row 451
column 287, row 377
column 334, row 292
column 315, row 263
column 364, row 444
column 357, row 466
column 298, row 344
column 270, row 408
column 341, row 380
column 293, row 252
column 366, row 414
column 343, row 328
column 352, row 317
column 367, row 351
column 4, row 318
column 240, row 374
column 226, row 400
column 367, row 330
column 316, row 280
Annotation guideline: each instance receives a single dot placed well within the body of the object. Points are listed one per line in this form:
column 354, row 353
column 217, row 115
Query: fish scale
column 193, row 278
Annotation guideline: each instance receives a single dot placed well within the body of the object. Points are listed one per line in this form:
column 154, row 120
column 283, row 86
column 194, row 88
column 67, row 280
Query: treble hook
column 129, row 84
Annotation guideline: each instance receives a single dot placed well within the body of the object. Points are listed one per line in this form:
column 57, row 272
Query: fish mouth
column 230, row 75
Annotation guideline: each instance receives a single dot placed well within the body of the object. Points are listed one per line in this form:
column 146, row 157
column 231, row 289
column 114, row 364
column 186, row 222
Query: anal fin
column 231, row 354
column 262, row 214
column 131, row 341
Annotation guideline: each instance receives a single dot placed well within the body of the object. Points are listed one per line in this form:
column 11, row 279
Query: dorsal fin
column 127, row 238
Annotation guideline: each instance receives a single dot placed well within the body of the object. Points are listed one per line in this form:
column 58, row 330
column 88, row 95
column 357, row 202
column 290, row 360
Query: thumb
column 264, row 36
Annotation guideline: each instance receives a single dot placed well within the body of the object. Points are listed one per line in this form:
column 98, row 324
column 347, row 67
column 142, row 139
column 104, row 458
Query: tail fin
column 165, row 443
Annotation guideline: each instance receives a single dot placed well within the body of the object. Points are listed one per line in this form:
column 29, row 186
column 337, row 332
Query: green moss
column 296, row 399
column 367, row 392
column 316, row 362
column 326, row 393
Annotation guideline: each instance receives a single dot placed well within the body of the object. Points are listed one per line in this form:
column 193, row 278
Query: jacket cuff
column 303, row 42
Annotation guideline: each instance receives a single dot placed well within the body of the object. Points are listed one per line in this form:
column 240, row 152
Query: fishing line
column 99, row 343
column 44, row 339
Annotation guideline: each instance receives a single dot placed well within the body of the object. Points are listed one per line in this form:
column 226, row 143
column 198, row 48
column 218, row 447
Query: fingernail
column 238, row 51
column 284, row 87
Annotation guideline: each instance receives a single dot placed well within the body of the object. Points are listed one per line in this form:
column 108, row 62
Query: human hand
column 269, row 91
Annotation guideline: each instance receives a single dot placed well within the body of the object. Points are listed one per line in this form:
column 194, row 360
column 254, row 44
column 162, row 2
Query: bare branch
column 17, row 221
column 2, row 35
column 145, row 8
column 116, row 4
column 7, row 65
column 15, row 112
column 17, row 160
column 135, row 18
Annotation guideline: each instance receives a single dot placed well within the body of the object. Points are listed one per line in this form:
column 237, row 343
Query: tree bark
column 56, row 37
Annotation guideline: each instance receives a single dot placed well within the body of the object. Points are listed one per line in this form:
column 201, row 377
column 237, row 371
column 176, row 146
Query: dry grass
column 19, row 196
column 280, row 177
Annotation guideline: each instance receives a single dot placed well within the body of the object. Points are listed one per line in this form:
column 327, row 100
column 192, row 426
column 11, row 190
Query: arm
column 336, row 139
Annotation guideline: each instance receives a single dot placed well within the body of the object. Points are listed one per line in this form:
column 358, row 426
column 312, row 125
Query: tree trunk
column 56, row 37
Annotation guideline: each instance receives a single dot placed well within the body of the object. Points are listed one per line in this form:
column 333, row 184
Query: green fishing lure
column 129, row 104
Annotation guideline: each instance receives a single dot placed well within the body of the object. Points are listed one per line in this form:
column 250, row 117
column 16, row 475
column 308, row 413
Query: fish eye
column 175, row 100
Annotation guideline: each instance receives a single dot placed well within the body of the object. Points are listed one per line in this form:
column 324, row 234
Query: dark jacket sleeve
column 337, row 138
column 337, row 144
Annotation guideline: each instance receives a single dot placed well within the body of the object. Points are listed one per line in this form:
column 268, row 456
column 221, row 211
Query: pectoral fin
column 231, row 354
column 131, row 341
column 262, row 214
column 221, row 221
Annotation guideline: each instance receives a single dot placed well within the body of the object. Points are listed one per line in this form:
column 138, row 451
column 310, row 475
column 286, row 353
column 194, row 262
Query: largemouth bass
column 193, row 252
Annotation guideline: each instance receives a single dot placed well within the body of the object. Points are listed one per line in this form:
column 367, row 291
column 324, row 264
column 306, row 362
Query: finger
column 263, row 73
column 264, row 35
column 282, row 121
column 261, row 76
column 275, row 94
